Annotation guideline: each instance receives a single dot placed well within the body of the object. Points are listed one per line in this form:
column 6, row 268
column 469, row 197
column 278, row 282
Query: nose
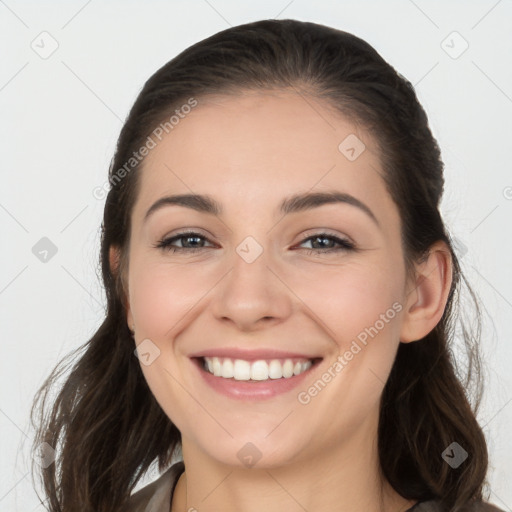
column 252, row 295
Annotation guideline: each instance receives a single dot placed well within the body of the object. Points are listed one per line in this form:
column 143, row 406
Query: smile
column 259, row 370
column 253, row 374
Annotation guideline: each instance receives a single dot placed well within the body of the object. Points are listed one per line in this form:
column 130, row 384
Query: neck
column 343, row 477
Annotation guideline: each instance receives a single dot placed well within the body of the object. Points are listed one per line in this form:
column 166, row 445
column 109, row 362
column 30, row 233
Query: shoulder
column 433, row 506
column 156, row 496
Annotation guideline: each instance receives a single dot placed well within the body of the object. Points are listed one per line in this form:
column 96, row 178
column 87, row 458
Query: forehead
column 256, row 147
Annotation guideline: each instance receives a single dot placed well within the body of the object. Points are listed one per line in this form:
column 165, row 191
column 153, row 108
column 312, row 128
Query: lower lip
column 251, row 390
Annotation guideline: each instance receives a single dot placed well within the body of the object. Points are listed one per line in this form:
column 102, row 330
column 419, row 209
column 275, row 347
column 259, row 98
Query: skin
column 249, row 152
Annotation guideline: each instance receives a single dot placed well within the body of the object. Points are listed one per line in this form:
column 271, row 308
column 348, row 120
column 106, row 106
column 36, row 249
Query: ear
column 114, row 259
column 428, row 293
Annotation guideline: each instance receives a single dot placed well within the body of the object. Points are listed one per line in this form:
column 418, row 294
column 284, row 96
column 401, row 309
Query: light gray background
column 60, row 118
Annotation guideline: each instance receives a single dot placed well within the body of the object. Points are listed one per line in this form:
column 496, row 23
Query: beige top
column 157, row 496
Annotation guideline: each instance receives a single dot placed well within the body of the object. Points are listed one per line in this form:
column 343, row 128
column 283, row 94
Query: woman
column 272, row 249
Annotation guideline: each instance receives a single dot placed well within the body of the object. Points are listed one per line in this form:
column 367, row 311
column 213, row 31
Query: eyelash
column 165, row 243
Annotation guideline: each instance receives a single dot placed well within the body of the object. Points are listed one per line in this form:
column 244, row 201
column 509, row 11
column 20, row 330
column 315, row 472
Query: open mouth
column 257, row 370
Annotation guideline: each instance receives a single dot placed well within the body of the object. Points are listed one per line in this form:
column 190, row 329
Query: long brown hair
column 105, row 424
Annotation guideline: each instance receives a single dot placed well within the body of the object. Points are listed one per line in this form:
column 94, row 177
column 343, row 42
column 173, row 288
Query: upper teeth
column 240, row 369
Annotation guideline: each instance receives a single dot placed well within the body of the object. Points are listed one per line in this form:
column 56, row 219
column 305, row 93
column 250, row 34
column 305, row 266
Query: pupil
column 196, row 238
column 322, row 238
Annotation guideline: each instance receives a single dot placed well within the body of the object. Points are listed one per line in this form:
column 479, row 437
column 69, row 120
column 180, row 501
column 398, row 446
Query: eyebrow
column 292, row 204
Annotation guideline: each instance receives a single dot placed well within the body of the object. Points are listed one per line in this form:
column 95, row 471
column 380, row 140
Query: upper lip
column 251, row 355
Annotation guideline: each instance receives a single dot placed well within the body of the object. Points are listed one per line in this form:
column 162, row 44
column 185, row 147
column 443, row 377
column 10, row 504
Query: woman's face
column 314, row 282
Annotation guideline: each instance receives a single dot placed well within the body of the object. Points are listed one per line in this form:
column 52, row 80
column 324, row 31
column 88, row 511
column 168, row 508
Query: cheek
column 162, row 299
column 350, row 300
column 161, row 296
column 362, row 310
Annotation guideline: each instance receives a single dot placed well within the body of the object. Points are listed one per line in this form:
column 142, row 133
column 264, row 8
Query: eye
column 325, row 242
column 190, row 242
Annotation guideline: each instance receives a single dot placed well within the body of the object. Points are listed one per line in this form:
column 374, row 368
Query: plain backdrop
column 61, row 114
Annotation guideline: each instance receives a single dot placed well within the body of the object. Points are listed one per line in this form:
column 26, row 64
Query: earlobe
column 426, row 301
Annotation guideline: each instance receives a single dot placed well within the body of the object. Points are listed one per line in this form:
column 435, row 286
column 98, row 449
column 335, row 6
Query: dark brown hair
column 106, row 425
